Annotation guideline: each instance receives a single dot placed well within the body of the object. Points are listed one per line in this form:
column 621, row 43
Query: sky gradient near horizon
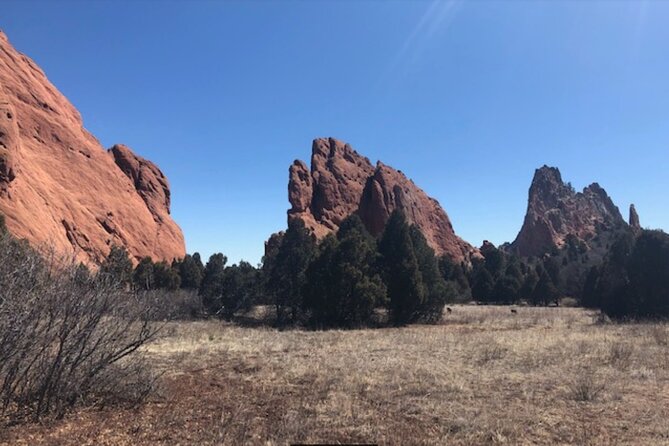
column 465, row 97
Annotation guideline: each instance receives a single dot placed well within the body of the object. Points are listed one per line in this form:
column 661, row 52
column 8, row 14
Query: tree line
column 350, row 278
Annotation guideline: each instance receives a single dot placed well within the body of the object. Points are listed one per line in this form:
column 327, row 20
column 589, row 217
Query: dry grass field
column 482, row 376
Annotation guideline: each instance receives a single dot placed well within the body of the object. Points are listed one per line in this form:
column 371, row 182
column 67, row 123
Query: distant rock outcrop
column 634, row 222
column 60, row 188
column 342, row 182
column 556, row 211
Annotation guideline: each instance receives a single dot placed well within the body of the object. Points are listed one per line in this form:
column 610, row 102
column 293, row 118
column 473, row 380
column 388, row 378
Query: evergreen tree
column 117, row 266
column 553, row 268
column 239, row 288
column 436, row 292
column 506, row 290
column 529, row 283
column 191, row 271
column 344, row 285
column 212, row 283
column 645, row 291
column 165, row 276
column 455, row 273
column 406, row 290
column 484, row 284
column 288, row 274
column 545, row 291
column 494, row 261
column 143, row 277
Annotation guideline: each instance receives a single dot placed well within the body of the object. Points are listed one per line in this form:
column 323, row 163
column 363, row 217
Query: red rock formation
column 342, row 182
column 556, row 211
column 60, row 188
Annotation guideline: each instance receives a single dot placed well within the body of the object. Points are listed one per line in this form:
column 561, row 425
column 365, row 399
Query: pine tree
column 212, row 283
column 529, row 283
column 483, row 286
column 143, row 277
column 165, row 276
column 288, row 274
column 343, row 283
column 406, row 290
column 239, row 289
column 545, row 291
column 117, row 266
column 191, row 271
column 436, row 295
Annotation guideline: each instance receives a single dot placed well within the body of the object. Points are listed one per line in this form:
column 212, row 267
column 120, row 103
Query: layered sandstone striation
column 60, row 189
column 342, row 182
column 555, row 211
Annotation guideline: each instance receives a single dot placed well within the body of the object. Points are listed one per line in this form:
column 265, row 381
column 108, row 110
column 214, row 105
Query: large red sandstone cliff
column 59, row 188
column 556, row 211
column 341, row 182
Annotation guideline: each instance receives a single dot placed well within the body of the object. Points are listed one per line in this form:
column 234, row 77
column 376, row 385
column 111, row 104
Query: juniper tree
column 436, row 292
column 212, row 282
column 287, row 277
column 343, row 283
column 406, row 291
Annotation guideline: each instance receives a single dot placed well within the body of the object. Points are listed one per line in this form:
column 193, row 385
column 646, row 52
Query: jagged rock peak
column 555, row 210
column 341, row 182
column 634, row 218
column 58, row 186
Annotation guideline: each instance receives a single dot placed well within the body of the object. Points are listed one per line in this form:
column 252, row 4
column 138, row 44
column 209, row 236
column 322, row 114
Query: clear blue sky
column 467, row 98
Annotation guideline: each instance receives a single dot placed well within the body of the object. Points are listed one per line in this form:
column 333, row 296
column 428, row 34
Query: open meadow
column 484, row 375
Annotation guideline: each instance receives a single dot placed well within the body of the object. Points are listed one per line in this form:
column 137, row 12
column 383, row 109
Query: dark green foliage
column 634, row 280
column 545, row 291
column 287, row 277
column 153, row 276
column 3, row 224
column 436, row 293
column 406, row 290
column 506, row 290
column 191, row 271
column 143, row 276
column 212, row 283
column 118, row 266
column 590, row 297
column 456, row 279
column 239, row 289
column 343, row 284
column 165, row 276
column 494, row 261
column 553, row 268
column 529, row 283
column 484, row 284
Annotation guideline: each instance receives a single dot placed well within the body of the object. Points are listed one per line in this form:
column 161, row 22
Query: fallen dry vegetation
column 483, row 376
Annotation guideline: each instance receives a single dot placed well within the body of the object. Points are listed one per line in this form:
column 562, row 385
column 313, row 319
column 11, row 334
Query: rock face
column 59, row 188
column 342, row 182
column 555, row 211
column 634, row 222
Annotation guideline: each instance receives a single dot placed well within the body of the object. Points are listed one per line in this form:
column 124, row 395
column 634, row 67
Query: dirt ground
column 482, row 376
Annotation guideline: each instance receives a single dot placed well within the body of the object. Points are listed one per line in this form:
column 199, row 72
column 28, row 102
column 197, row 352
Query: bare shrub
column 620, row 354
column 585, row 387
column 65, row 337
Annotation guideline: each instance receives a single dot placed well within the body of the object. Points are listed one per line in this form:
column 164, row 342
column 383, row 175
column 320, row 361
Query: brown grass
column 483, row 376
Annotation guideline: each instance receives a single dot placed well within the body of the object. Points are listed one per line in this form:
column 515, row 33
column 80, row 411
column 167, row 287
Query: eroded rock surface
column 59, row 188
column 341, row 182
